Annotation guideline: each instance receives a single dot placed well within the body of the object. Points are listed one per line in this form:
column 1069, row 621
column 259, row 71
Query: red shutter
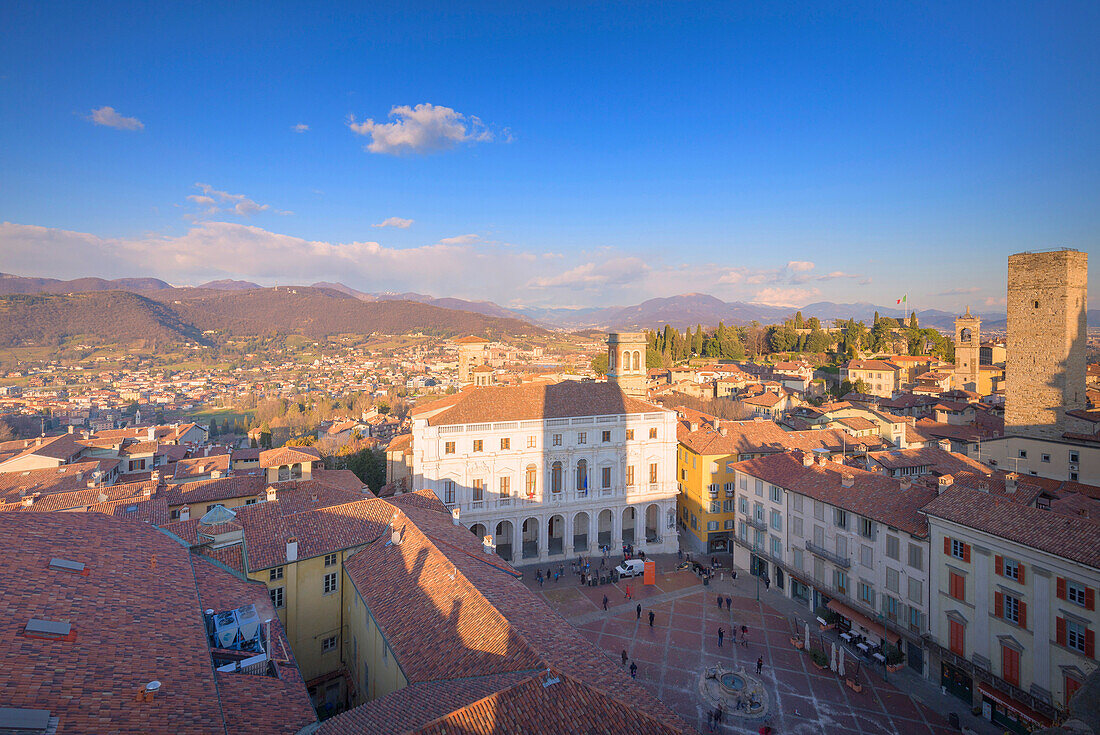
column 1090, row 643
column 1021, row 568
column 999, row 562
column 1061, row 588
column 1090, row 598
column 1023, row 615
column 999, row 604
column 966, row 553
column 947, row 545
column 1060, row 628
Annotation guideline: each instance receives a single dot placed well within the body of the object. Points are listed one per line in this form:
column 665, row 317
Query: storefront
column 957, row 683
column 718, row 542
column 758, row 566
column 1003, row 710
column 859, row 623
column 800, row 590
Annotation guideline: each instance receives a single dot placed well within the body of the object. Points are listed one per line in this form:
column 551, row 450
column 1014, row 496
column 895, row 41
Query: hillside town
column 936, row 522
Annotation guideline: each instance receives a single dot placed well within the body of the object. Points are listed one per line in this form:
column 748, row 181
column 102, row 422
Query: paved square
column 672, row 656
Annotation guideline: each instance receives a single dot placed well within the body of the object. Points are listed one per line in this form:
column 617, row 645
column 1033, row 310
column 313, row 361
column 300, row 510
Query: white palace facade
column 552, row 471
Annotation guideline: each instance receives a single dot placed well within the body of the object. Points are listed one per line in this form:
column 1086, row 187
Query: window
column 777, row 495
column 530, row 442
column 777, row 520
column 506, row 443
column 582, row 437
column 1078, row 594
column 892, row 550
column 275, row 573
column 212, row 506
column 957, row 637
column 653, row 472
column 798, row 560
column 556, row 474
column 1071, row 687
column 605, row 478
column 916, row 590
column 630, row 476
column 715, row 506
column 653, row 433
column 1010, row 665
column 796, row 503
column 796, row 526
column 727, row 506
column 819, row 570
column 777, row 548
column 840, row 517
column 892, row 579
column 630, row 435
column 250, row 501
column 449, row 492
column 915, row 619
column 758, row 512
column 1044, row 458
column 505, row 487
column 1008, row 607
column 819, row 536
column 449, row 448
column 866, row 556
column 479, row 490
column 916, row 556
column 1074, row 457
column 729, row 524
column 866, row 593
column 742, row 530
column 744, row 482
column 890, row 607
column 866, row 528
column 557, row 440
column 694, row 521
column 330, row 560
column 278, row 598
column 819, row 510
column 479, row 445
column 328, row 644
column 1023, row 454
column 957, row 586
column 605, row 437
column 712, row 525
column 1077, row 636
column 743, row 502
column 957, row 549
column 330, row 584
column 1009, row 568
column 840, row 581
column 1073, row 477
column 760, row 487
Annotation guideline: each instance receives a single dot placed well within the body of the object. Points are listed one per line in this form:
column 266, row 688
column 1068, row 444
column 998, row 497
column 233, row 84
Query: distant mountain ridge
column 11, row 284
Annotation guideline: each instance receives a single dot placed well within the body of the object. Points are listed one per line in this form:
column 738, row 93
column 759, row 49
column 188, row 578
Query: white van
column 631, row 568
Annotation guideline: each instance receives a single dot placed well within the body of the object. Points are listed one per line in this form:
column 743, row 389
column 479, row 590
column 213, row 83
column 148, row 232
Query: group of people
column 551, row 573
column 743, row 640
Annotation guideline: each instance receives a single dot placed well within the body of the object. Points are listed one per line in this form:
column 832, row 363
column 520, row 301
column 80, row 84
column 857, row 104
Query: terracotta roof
column 62, row 447
column 288, row 455
column 222, row 488
column 136, row 616
column 199, row 466
column 871, row 365
column 871, row 495
column 400, row 442
column 1073, row 538
column 66, row 478
column 470, row 340
column 939, row 461
column 541, row 401
column 858, row 423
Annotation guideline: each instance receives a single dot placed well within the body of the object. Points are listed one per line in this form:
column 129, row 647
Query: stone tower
column 1045, row 368
column 626, row 362
column 472, row 351
column 968, row 343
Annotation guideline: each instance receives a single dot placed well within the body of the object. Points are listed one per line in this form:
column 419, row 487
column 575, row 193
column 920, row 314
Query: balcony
column 759, row 524
column 840, row 561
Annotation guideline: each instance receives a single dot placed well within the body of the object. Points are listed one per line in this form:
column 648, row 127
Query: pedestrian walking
column 729, row 602
column 624, row 657
column 745, row 639
column 767, row 582
column 651, row 616
column 638, row 612
column 759, row 664
column 721, row 635
column 605, row 603
column 628, row 595
column 719, row 602
column 679, row 554
column 744, row 630
column 633, row 670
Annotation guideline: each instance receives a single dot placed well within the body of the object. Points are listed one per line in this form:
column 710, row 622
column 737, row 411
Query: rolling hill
column 12, row 284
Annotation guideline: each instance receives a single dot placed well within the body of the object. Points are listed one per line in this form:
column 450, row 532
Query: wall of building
column 369, row 659
column 1043, row 458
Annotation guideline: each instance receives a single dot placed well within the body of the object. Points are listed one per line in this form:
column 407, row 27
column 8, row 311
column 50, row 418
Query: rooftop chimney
column 945, row 482
column 270, row 494
column 454, row 516
column 1010, row 482
column 185, row 512
column 695, row 426
column 847, row 480
column 906, row 483
column 983, row 486
column 292, row 549
column 807, row 459
column 72, row 429
column 822, row 460
column 487, row 544
column 147, row 490
column 215, row 474
column 154, row 476
column 101, row 497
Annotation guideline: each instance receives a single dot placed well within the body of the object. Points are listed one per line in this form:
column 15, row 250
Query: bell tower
column 968, row 343
column 626, row 362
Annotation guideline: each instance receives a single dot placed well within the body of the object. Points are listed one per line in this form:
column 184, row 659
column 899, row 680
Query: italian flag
column 904, row 299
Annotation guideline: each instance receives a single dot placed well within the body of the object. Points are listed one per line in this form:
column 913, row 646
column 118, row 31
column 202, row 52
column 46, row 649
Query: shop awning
column 1026, row 713
column 863, row 621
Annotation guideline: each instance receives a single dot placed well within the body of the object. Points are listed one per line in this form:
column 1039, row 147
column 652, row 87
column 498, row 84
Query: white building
column 840, row 538
column 1013, row 604
column 552, row 471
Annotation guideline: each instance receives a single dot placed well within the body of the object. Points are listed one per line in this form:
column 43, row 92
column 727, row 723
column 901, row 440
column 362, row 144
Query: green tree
column 813, row 323
column 782, row 339
column 798, row 324
column 599, row 363
column 818, row 341
column 913, row 321
column 697, row 342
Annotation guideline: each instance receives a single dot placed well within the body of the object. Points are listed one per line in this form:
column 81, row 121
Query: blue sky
column 577, row 154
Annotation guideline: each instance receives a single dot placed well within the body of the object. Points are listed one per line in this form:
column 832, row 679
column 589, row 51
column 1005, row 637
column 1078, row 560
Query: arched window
column 637, row 361
column 611, row 360
column 582, row 475
column 296, row 470
column 555, row 477
column 626, row 359
column 532, row 473
column 284, row 472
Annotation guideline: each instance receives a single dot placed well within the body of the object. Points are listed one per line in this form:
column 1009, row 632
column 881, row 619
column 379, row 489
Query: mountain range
column 680, row 311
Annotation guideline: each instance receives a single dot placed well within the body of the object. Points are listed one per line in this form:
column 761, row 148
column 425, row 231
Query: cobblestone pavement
column 672, row 655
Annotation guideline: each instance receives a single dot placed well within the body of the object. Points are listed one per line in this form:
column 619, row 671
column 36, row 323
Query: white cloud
column 398, row 222
column 213, row 201
column 461, row 240
column 425, row 128
column 613, row 272
column 108, row 117
column 299, row 128
column 800, row 266
column 777, row 296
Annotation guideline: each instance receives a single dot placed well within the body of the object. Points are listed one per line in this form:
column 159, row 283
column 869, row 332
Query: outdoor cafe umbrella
column 840, row 662
column 832, row 658
column 807, row 636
